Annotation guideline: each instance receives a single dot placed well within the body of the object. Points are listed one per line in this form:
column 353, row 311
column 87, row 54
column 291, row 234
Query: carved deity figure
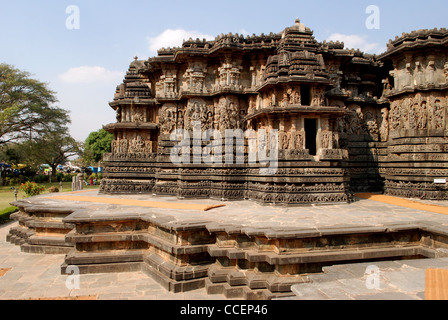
column 355, row 121
column 167, row 121
column 197, row 112
column 292, row 96
column 423, row 119
column 384, row 129
column 229, row 116
column 413, row 116
column 138, row 117
column 326, row 139
column 137, row 145
column 395, row 116
column 372, row 124
column 438, row 114
column 285, row 139
column 299, row 141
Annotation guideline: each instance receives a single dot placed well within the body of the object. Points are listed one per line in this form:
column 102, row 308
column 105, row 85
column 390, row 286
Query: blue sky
column 85, row 65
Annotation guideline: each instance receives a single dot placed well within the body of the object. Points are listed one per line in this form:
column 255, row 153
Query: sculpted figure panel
column 229, row 113
column 298, row 140
column 197, row 111
column 167, row 118
column 384, row 128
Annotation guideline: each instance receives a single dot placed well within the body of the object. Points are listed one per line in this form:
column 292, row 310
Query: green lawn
column 7, row 195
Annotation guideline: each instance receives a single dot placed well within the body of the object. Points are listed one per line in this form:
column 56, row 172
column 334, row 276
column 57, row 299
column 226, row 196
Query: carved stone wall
column 370, row 123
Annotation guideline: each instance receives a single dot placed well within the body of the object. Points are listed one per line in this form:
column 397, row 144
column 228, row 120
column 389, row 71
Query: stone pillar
column 78, row 182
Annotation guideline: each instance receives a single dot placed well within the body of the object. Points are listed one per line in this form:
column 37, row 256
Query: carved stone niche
column 291, row 96
column 371, row 122
column 166, row 87
column 168, row 118
column 230, row 113
column 318, row 96
column 384, row 126
column 284, row 140
column 298, row 140
column 198, row 112
column 138, row 144
column 229, row 75
column 194, row 77
column 437, row 112
column 326, row 139
column 355, row 121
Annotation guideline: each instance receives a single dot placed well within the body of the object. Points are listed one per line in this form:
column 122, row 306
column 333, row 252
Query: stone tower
column 337, row 121
column 417, row 89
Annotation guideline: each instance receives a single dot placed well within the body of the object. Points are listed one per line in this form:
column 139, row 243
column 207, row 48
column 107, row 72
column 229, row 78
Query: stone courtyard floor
column 32, row 276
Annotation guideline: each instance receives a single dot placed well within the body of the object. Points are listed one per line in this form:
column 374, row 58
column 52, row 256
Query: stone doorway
column 311, row 135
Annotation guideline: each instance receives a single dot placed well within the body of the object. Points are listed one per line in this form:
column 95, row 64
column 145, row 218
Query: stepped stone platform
column 240, row 249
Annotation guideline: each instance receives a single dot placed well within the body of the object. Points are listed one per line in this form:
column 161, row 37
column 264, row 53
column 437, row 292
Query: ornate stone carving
column 395, row 116
column 284, row 140
column 120, row 146
column 168, row 118
column 137, row 145
column 229, row 113
column 326, row 139
column 228, row 75
column 298, row 140
column 438, row 119
column 198, row 112
column 261, row 83
column 384, row 128
column 194, row 77
column 166, row 87
column 292, row 96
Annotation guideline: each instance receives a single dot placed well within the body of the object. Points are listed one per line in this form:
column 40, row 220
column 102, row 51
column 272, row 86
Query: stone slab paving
column 38, row 276
column 34, row 276
column 397, row 280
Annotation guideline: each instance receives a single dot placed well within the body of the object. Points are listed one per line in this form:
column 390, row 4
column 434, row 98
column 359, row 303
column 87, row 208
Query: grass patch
column 7, row 195
column 5, row 213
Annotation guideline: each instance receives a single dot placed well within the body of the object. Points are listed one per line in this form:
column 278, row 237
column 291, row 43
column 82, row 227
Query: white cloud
column 357, row 42
column 174, row 38
column 86, row 91
column 91, row 74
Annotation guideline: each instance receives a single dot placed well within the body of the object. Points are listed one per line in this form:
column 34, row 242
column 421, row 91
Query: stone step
column 105, row 257
column 48, row 241
column 253, row 279
column 243, row 292
column 43, row 249
column 319, row 256
column 173, row 271
column 171, row 284
column 105, row 267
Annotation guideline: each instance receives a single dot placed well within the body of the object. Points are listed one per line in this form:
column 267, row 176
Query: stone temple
column 346, row 121
column 343, row 121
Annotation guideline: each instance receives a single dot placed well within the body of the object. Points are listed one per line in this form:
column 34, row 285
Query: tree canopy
column 96, row 144
column 27, row 107
column 54, row 148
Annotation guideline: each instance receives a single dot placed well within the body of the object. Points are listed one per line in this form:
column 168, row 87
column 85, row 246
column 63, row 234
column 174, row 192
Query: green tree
column 54, row 148
column 96, row 144
column 27, row 107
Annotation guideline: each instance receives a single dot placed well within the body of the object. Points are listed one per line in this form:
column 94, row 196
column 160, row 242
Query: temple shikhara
column 347, row 121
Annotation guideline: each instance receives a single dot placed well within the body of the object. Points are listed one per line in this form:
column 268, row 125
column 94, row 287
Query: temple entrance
column 311, row 135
